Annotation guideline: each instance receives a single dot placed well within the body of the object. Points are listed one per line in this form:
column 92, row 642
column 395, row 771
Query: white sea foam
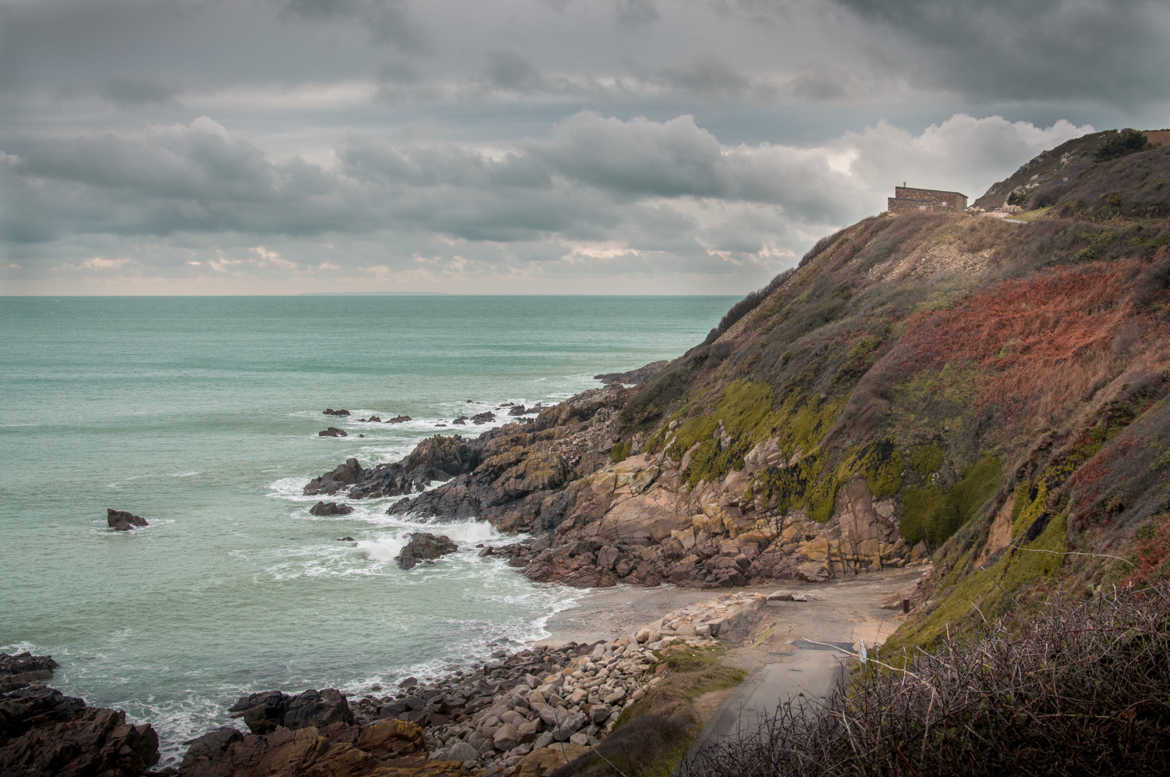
column 384, row 549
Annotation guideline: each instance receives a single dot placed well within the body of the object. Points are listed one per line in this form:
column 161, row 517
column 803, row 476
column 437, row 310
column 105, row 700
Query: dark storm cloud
column 677, row 158
column 1114, row 50
column 560, row 139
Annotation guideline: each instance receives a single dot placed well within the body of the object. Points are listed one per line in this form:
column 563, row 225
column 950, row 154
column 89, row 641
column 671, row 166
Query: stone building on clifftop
column 907, row 198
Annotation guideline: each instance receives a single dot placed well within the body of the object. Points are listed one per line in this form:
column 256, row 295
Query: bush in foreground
column 1071, row 689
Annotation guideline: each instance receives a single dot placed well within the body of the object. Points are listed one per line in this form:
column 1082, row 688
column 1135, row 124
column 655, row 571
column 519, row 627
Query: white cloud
column 100, row 263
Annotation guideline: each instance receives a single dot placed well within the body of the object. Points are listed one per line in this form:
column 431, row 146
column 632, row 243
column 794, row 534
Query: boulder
column 505, row 737
column 572, row 723
column 330, row 508
column 546, row 760
column 424, row 546
column 121, row 520
column 264, row 712
column 332, row 431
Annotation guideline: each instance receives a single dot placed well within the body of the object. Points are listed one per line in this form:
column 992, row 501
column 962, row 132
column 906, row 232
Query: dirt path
column 797, row 648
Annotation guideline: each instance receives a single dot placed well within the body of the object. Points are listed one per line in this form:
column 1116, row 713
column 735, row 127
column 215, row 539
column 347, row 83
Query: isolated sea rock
column 332, row 431
column 122, row 520
column 461, row 420
column 331, row 411
column 375, row 419
column 399, row 419
column 424, row 546
column 43, row 731
column 483, row 418
column 330, row 508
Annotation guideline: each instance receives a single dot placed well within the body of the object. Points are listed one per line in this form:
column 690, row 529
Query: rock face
column 633, row 377
column 121, row 520
column 424, row 547
column 330, row 508
column 386, row 748
column 44, row 732
column 264, row 712
column 332, row 431
column 436, row 458
column 838, row 422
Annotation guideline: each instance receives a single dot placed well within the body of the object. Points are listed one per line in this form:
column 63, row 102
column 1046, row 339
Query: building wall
column 925, row 200
column 1158, row 137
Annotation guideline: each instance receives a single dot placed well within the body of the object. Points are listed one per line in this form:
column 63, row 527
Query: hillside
column 984, row 392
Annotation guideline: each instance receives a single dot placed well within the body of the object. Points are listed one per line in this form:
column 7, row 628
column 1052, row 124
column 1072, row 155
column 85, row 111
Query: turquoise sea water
column 202, row 414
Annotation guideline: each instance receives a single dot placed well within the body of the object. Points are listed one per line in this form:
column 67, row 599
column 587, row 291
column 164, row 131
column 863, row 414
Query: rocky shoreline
column 603, row 509
column 524, row 713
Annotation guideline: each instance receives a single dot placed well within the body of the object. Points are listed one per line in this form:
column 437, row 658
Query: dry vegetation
column 1066, row 688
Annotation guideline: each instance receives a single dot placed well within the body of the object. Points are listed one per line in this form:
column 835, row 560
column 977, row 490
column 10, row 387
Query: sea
column 201, row 414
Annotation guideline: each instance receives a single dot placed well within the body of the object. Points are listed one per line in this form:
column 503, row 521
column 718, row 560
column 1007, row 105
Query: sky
column 535, row 146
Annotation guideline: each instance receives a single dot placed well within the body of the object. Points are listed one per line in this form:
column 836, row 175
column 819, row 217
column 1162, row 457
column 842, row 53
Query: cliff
column 986, row 392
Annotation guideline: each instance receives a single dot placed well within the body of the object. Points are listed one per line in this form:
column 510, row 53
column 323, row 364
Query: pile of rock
column 497, row 715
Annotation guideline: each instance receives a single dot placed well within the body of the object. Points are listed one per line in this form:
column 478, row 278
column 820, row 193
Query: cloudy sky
column 564, row 146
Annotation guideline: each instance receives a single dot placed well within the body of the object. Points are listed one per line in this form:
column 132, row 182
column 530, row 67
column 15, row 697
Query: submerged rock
column 122, row 520
column 424, row 546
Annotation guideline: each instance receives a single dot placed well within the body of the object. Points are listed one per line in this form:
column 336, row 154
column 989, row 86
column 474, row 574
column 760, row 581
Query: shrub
column 1127, row 141
column 1068, row 689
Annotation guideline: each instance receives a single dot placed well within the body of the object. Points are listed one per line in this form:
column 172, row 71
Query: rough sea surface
column 201, row 414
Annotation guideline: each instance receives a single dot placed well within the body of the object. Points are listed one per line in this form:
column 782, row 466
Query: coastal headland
column 951, row 414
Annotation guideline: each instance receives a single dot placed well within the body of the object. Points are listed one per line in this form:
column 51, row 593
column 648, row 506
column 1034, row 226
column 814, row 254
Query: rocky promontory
column 43, row 731
column 435, row 458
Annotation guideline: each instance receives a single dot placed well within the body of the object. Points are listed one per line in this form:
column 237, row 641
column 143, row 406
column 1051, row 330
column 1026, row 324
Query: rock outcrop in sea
column 122, row 520
column 424, row 546
column 45, row 732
